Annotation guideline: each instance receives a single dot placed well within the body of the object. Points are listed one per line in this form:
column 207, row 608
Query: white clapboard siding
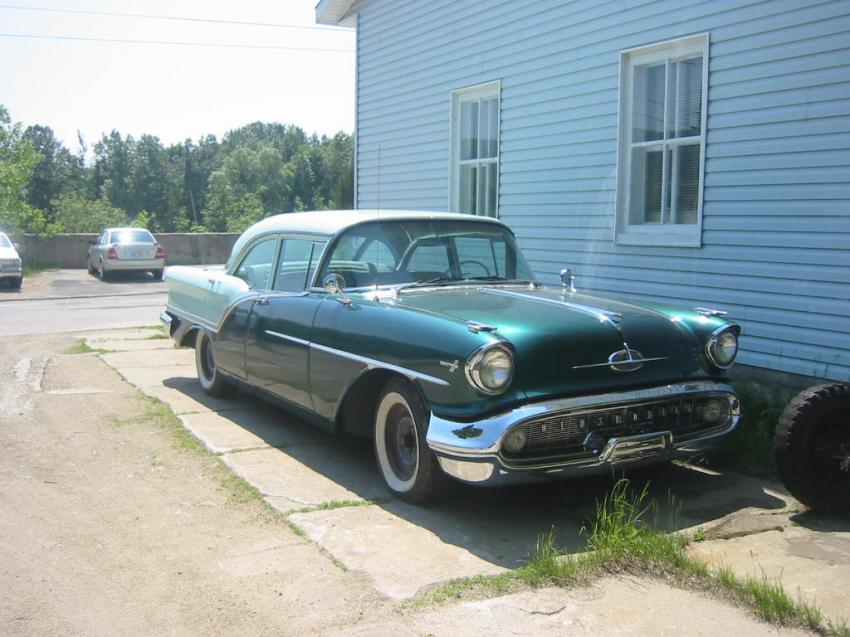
column 776, row 229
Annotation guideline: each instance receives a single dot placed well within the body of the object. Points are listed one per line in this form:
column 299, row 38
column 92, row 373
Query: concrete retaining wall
column 71, row 250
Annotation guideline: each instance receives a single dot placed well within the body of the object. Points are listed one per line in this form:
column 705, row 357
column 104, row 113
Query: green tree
column 76, row 212
column 18, row 159
column 58, row 172
column 112, row 171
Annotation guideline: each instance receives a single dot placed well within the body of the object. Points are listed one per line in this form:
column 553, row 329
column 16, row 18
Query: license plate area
column 631, row 447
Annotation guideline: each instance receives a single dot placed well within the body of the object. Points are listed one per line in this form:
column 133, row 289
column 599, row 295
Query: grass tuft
column 81, row 347
column 620, row 540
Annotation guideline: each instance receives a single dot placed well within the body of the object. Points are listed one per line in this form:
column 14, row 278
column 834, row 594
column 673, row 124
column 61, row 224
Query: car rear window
column 132, row 236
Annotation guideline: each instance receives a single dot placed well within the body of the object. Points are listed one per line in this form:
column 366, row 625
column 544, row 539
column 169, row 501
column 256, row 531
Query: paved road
column 71, row 301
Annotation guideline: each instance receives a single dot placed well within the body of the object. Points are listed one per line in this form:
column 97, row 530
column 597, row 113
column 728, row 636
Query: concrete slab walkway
column 331, row 489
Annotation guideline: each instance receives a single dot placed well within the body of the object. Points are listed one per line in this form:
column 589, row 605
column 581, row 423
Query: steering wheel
column 474, row 262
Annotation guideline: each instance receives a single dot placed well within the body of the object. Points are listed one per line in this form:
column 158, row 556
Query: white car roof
column 331, row 222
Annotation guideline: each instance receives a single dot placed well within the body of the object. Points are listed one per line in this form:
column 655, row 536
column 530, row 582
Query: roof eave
column 336, row 13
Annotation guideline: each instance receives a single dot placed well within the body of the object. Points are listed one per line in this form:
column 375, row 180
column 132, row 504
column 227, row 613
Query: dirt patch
column 108, row 527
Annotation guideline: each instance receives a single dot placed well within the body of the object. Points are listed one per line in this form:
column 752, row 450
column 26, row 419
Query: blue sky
column 174, row 92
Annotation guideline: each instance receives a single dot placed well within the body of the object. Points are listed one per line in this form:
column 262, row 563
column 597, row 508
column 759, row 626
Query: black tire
column 812, row 447
column 211, row 380
column 157, row 274
column 408, row 466
column 16, row 282
column 102, row 273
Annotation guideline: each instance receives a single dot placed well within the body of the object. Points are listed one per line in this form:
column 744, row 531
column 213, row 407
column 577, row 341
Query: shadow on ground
column 502, row 525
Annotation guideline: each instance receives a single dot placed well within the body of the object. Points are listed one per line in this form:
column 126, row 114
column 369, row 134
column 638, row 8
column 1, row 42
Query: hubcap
column 402, row 449
column 207, row 360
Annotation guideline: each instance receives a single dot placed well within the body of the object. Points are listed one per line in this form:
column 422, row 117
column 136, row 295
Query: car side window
column 432, row 259
column 298, row 258
column 256, row 267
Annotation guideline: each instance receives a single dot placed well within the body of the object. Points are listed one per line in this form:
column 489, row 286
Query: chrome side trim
column 284, row 337
column 193, row 318
column 165, row 319
column 372, row 363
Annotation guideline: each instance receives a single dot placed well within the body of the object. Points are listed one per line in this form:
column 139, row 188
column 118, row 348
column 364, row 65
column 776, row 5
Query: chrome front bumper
column 470, row 452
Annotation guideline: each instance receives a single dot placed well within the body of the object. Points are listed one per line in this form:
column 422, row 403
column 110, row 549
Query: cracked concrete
column 402, row 549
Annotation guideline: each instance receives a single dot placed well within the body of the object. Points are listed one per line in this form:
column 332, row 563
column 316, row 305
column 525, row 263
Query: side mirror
column 333, row 285
column 93, row 242
column 568, row 280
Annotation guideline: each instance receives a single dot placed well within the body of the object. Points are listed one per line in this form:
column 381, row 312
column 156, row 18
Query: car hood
column 563, row 342
column 8, row 253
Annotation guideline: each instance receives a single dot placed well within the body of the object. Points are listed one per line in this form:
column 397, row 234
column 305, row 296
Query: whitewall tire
column 211, row 380
column 408, row 466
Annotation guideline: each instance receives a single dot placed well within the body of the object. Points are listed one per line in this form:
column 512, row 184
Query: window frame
column 657, row 234
column 487, row 90
column 272, row 267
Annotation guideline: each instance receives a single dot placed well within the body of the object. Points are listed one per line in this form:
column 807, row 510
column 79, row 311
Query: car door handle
column 263, row 300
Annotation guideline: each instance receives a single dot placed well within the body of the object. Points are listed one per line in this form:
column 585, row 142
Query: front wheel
column 812, row 447
column 408, row 466
column 211, row 380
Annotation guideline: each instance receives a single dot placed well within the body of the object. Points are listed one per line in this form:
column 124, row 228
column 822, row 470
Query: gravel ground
column 108, row 528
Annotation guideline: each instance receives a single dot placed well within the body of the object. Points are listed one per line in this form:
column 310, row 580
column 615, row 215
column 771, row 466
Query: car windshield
column 4, row 241
column 132, row 236
column 431, row 251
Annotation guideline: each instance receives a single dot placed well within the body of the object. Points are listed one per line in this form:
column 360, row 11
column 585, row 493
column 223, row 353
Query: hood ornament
column 626, row 360
column 568, row 280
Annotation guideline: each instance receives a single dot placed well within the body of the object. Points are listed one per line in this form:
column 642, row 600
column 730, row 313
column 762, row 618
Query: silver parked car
column 10, row 263
column 122, row 249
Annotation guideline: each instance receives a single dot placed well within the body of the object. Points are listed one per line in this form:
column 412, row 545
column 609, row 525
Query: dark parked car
column 429, row 333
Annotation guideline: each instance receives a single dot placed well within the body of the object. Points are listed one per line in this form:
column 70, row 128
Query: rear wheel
column 157, row 274
column 16, row 282
column 407, row 464
column 812, row 447
column 208, row 374
column 101, row 272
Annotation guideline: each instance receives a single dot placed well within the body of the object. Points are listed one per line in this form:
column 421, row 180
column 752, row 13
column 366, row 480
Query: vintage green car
column 428, row 333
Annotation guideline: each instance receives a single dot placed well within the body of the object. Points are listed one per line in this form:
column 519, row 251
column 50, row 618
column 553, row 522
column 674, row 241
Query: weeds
column 750, row 448
column 81, row 347
column 620, row 540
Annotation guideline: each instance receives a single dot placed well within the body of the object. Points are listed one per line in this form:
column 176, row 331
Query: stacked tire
column 812, row 447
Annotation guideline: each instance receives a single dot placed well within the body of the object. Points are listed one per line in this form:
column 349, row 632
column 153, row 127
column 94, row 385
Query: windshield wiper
column 435, row 281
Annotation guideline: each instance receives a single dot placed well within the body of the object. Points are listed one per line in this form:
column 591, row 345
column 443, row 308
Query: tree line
column 208, row 185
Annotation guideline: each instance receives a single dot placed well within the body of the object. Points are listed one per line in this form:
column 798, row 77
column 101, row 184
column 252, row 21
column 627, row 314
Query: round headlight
column 490, row 370
column 515, row 440
column 722, row 348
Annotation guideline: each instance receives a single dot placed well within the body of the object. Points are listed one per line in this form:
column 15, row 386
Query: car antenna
column 379, row 217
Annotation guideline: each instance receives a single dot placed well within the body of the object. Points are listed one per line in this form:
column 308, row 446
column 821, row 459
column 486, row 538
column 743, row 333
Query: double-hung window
column 475, row 150
column 662, row 143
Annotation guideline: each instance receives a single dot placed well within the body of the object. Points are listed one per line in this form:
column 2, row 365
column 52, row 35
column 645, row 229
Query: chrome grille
column 565, row 432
